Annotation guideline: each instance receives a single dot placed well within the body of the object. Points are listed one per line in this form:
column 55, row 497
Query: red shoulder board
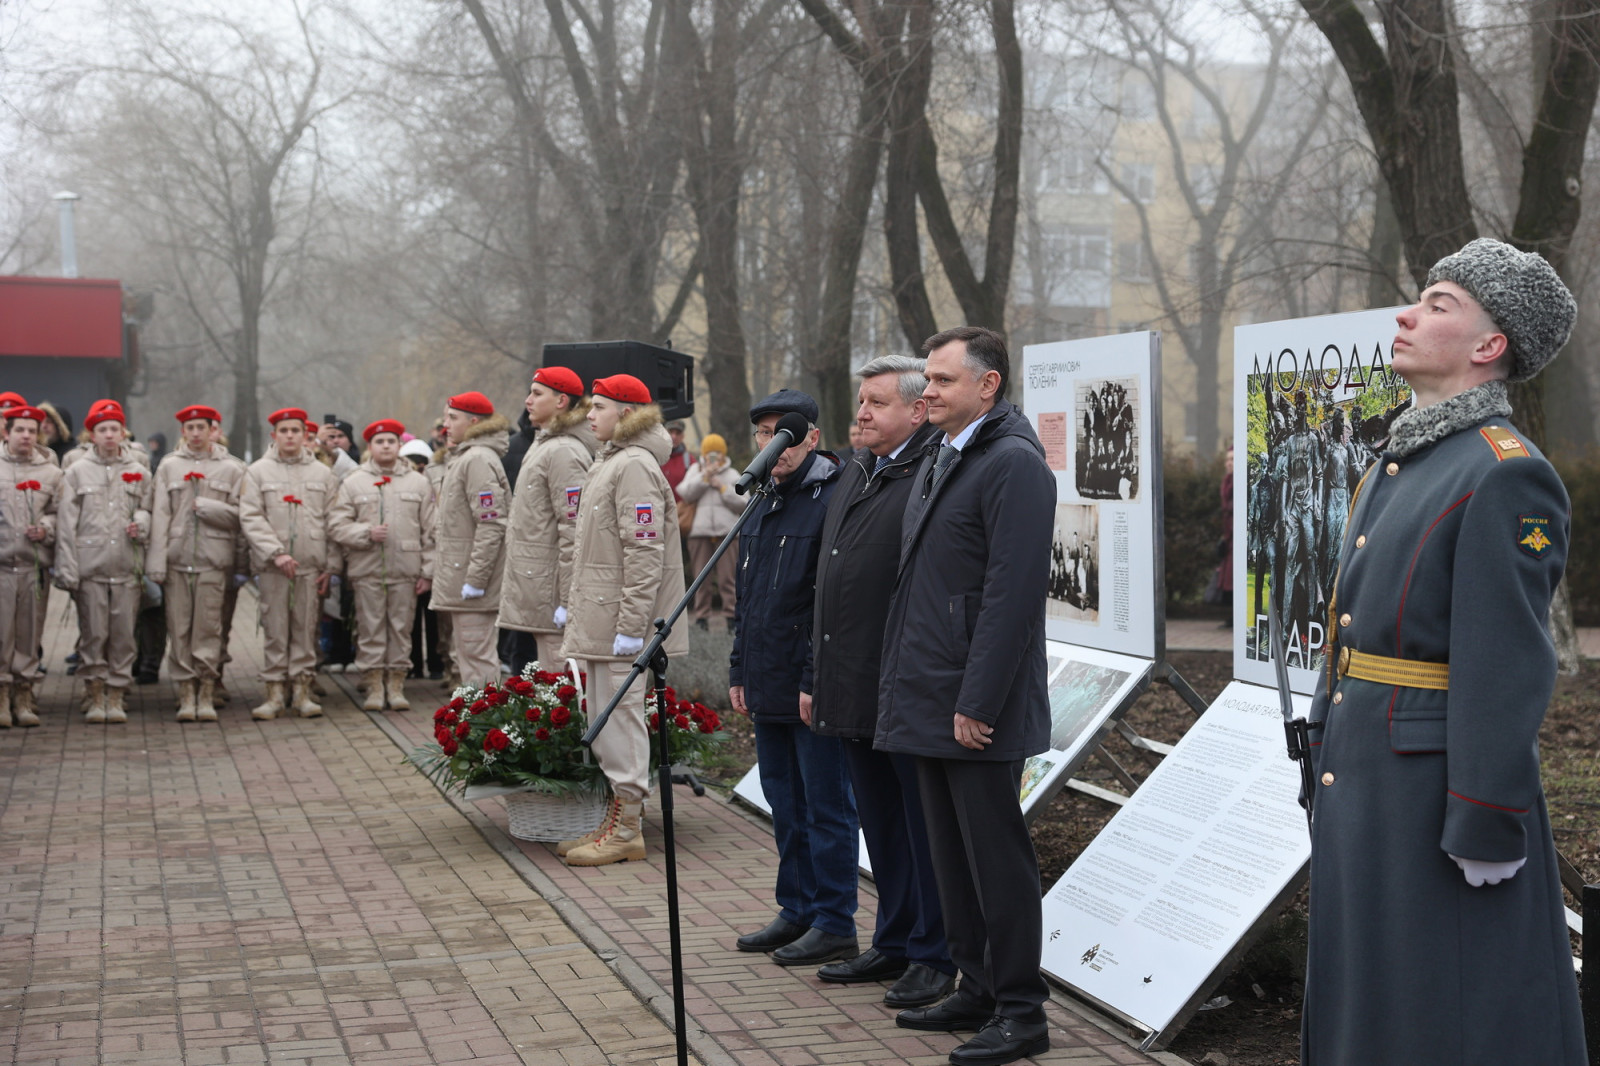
column 1505, row 443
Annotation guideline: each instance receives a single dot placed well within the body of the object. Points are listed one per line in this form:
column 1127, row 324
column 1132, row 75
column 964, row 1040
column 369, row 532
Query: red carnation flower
column 463, row 729
column 28, row 486
column 566, row 692
column 133, row 477
column 541, row 733
column 292, row 499
column 533, row 714
column 496, row 740
column 194, row 475
column 382, row 481
column 560, row 716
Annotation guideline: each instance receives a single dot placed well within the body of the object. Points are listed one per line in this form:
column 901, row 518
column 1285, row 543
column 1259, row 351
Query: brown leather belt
column 1407, row 673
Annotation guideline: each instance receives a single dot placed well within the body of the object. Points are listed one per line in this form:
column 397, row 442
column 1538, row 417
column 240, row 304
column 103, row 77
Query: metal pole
column 669, row 848
column 1590, row 984
column 69, row 238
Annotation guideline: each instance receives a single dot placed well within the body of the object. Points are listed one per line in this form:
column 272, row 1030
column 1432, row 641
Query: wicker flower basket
column 545, row 816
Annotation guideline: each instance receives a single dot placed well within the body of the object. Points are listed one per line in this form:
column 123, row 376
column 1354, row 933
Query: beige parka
column 544, row 522
column 273, row 526
column 182, row 540
column 20, row 508
column 470, row 523
column 405, row 504
column 628, row 563
column 97, row 503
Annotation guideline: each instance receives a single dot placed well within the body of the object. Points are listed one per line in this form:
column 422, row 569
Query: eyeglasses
column 763, row 435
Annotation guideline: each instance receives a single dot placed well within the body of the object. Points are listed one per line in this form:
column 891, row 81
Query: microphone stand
column 654, row 659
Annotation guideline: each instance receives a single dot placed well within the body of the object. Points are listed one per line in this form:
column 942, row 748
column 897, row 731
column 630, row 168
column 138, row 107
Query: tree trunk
column 907, row 125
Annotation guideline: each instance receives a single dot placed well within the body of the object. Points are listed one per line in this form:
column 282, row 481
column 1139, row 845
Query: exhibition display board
column 1313, row 400
column 1156, row 909
column 1096, row 406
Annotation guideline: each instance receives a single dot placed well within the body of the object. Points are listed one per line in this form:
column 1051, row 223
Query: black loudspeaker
column 669, row 375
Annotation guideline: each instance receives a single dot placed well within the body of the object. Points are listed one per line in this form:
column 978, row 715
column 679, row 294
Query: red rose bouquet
column 693, row 729
column 522, row 734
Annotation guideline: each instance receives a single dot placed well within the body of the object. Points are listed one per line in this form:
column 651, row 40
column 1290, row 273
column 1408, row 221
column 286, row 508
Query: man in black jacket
column 856, row 561
column 802, row 774
column 962, row 688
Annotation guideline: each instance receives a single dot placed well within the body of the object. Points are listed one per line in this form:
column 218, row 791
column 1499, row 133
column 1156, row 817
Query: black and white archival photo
column 1106, row 413
column 1075, row 564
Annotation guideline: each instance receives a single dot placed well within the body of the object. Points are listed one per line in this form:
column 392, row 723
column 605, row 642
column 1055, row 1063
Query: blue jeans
column 814, row 822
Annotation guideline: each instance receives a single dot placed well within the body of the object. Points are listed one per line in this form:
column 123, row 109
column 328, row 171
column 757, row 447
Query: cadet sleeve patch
column 485, row 499
column 574, row 494
column 644, row 534
column 1533, row 534
column 643, row 514
column 1505, row 443
column 488, row 516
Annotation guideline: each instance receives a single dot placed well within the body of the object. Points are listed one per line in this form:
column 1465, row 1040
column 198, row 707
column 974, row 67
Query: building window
column 1140, row 178
column 1138, row 97
column 1133, row 261
column 1075, row 171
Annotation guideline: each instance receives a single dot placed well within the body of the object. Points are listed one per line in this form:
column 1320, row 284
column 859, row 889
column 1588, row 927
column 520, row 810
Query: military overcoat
column 1450, row 556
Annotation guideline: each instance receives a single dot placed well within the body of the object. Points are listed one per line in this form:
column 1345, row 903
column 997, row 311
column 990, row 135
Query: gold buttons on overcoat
column 1361, row 541
column 1338, row 697
column 1344, row 619
column 1392, row 469
column 1327, row 779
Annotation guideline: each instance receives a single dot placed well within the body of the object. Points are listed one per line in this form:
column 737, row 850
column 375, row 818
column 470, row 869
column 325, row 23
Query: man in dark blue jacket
column 855, row 577
column 962, row 688
column 802, row 774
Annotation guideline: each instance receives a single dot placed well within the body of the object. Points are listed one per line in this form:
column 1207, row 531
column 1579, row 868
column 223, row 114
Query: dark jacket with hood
column 966, row 623
column 518, row 447
column 777, row 585
column 856, row 562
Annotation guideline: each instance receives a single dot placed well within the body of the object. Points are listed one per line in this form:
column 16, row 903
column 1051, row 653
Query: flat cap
column 782, row 402
column 1521, row 292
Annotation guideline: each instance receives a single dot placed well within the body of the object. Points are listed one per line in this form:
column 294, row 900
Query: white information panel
column 1314, row 399
column 1095, row 404
column 1158, row 900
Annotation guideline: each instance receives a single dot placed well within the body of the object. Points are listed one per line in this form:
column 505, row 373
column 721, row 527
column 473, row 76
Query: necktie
column 942, row 464
column 883, row 461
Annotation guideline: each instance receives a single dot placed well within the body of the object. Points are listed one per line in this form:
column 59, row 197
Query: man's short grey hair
column 909, row 369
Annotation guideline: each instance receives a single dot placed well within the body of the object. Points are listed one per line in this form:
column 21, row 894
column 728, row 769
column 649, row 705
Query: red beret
column 104, row 411
column 474, row 403
column 24, row 411
column 199, row 410
column 296, row 413
column 559, row 378
column 623, row 388
column 382, row 425
column 11, row 399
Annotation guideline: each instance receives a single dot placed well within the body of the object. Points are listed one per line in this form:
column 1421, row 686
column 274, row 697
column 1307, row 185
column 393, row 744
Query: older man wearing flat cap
column 1436, row 927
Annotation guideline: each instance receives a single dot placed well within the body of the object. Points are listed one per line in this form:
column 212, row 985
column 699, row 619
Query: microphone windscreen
column 796, row 424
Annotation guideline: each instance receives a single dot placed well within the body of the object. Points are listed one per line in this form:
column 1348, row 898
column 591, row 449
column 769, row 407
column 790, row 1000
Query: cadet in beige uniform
column 470, row 530
column 544, row 510
column 383, row 519
column 192, row 555
column 284, row 513
column 30, row 487
column 628, row 571
column 103, row 524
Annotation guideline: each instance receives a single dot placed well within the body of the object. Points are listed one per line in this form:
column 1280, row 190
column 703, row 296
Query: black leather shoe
column 870, row 965
column 919, row 986
column 1003, row 1040
column 954, row 1013
column 775, row 935
column 814, row 947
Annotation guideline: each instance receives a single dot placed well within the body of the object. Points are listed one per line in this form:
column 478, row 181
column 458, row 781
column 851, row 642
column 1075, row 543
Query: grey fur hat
column 1521, row 292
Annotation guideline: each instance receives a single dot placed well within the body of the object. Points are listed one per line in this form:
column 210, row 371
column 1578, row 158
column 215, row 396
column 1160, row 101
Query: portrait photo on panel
column 1106, row 413
column 1075, row 564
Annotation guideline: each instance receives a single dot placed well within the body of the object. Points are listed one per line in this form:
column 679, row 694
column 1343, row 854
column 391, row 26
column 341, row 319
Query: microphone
column 791, row 430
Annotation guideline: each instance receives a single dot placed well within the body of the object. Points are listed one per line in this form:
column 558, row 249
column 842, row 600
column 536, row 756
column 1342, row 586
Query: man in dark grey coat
column 856, row 562
column 963, row 688
column 1436, row 935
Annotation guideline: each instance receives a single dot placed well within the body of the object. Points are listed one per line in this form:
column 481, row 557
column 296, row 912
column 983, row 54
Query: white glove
column 470, row 593
column 626, row 645
column 1479, row 873
column 239, row 580
column 561, row 618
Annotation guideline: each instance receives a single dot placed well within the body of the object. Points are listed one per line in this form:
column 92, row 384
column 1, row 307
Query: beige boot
column 186, row 695
column 373, row 679
column 273, row 705
column 115, row 711
column 205, row 707
column 607, row 818
column 5, row 706
column 394, row 690
column 622, row 842
column 304, row 705
column 220, row 696
column 22, row 707
column 94, row 701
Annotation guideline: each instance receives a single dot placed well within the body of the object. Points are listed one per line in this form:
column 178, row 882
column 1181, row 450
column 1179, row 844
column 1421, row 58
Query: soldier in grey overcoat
column 1437, row 936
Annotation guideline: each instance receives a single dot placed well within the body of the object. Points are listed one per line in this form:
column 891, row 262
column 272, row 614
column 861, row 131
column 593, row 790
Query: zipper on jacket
column 777, row 562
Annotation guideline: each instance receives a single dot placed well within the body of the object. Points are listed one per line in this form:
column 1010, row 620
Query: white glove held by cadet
column 561, row 618
column 1479, row 874
column 470, row 593
column 625, row 645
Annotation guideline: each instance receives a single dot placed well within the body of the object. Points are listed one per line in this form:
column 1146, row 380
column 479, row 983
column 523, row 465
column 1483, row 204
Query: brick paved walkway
column 287, row 892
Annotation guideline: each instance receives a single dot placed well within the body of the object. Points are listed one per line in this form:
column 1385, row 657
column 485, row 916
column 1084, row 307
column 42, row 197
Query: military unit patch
column 485, row 499
column 644, row 534
column 1505, row 443
column 574, row 493
column 644, row 513
column 1533, row 535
